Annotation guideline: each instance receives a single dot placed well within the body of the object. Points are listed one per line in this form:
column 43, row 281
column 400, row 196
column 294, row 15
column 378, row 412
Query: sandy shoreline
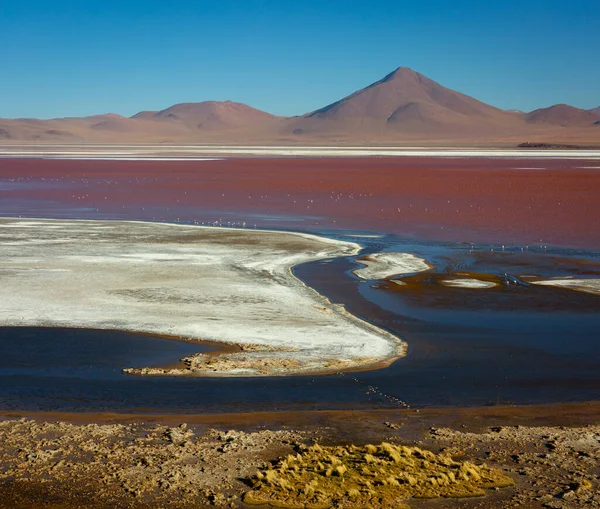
column 470, row 418
column 220, row 284
column 591, row 285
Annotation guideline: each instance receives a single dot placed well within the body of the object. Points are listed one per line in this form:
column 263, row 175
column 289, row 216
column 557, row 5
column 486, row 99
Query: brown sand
column 470, row 200
column 60, row 460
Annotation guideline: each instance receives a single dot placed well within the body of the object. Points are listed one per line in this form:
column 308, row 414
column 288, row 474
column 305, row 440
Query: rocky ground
column 553, row 467
column 48, row 463
column 56, row 464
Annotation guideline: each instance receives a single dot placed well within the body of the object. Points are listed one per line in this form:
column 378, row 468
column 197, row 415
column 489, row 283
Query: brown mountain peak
column 562, row 114
column 209, row 115
column 405, row 99
column 405, row 77
column 401, row 73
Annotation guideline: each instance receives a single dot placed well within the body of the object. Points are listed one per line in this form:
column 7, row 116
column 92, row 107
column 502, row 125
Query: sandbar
column 384, row 265
column 468, row 283
column 200, row 283
column 581, row 285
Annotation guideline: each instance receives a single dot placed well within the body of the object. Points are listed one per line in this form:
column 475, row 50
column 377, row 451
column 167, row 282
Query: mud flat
column 227, row 285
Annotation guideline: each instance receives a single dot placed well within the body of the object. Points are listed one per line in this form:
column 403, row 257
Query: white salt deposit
column 383, row 265
column 582, row 285
column 204, row 152
column 219, row 284
column 468, row 283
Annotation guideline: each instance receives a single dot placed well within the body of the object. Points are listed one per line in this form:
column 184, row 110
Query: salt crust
column 219, row 284
column 383, row 265
column 468, row 283
column 581, row 285
column 143, row 152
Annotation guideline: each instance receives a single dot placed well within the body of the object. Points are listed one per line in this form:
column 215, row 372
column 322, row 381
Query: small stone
column 554, row 504
column 569, row 495
column 545, row 498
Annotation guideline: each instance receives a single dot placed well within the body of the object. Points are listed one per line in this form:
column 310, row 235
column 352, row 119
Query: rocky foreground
column 59, row 464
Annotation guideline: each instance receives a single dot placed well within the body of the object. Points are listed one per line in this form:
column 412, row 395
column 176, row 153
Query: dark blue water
column 80, row 370
column 515, row 344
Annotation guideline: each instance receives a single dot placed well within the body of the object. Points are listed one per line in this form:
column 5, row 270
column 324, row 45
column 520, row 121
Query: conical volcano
column 405, row 100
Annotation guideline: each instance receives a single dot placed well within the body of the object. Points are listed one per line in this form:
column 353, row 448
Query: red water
column 462, row 199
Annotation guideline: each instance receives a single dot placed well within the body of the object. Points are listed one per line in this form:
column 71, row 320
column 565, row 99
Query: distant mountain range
column 403, row 107
column 210, row 115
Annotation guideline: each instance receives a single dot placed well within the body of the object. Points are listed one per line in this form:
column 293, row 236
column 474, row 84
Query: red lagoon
column 495, row 200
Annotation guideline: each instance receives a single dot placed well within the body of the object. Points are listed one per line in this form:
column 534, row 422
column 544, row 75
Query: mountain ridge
column 562, row 114
column 404, row 105
column 209, row 115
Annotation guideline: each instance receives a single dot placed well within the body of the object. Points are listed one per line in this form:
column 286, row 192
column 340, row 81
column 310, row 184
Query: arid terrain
column 206, row 461
column 402, row 108
column 299, row 255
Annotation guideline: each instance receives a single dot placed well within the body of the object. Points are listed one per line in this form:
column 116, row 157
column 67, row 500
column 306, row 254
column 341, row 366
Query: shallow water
column 510, row 344
column 517, row 344
column 470, row 199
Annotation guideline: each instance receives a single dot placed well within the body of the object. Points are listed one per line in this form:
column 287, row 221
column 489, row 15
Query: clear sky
column 80, row 57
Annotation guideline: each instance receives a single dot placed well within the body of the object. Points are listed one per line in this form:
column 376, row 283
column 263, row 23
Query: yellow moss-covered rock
column 371, row 476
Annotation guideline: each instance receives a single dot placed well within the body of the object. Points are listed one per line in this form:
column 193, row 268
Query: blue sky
column 73, row 58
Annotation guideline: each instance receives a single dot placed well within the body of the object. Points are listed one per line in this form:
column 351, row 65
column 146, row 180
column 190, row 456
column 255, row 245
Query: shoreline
column 207, row 152
column 253, row 270
column 474, row 418
column 69, row 461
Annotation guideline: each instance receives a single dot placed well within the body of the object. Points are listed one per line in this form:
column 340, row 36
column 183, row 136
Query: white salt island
column 468, row 283
column 233, row 286
column 581, row 285
column 384, row 265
